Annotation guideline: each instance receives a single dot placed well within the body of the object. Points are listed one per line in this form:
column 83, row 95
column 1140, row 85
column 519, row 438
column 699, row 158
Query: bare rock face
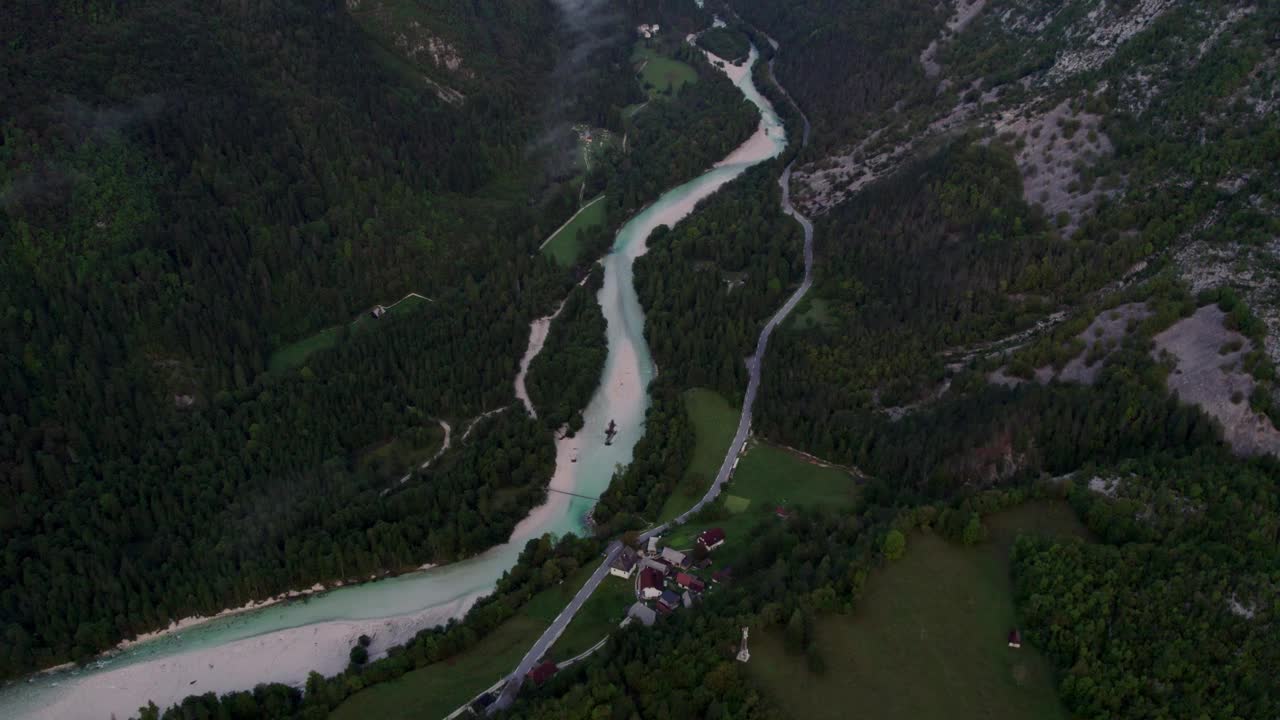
column 1054, row 145
column 1208, row 372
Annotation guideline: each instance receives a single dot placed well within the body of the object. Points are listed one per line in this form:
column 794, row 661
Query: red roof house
column 651, row 583
column 1015, row 639
column 689, row 582
column 711, row 539
column 543, row 672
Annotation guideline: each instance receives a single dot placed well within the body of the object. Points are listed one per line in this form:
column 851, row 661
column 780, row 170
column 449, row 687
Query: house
column 653, row 546
column 624, row 565
column 651, row 583
column 673, row 557
column 643, row 613
column 689, row 582
column 687, row 599
column 722, row 576
column 482, row 703
column 543, row 672
column 653, row 564
column 668, row 600
column 1015, row 639
column 781, row 513
column 378, row 311
column 711, row 539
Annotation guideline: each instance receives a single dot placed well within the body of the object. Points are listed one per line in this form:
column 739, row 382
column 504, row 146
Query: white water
column 284, row 642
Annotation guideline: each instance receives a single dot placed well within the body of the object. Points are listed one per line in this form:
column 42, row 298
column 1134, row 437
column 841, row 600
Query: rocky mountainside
column 1142, row 142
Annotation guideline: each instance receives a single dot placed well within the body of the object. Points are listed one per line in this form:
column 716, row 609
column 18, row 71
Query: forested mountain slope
column 1093, row 146
column 185, row 187
column 189, row 187
column 1046, row 240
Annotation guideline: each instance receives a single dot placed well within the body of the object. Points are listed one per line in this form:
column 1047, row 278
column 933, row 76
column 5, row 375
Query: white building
column 624, row 566
column 673, row 557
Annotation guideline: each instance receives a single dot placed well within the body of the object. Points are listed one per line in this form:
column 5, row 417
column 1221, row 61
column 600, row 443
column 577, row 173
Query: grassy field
column 396, row 457
column 929, row 638
column 436, row 690
column 660, row 74
column 767, row 477
column 598, row 617
column 714, row 423
column 293, row 355
column 813, row 312
column 564, row 247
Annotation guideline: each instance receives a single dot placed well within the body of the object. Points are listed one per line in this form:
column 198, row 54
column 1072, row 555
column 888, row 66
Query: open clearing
column 564, row 246
column 293, row 355
column 659, row 74
column 714, row 422
column 1208, row 371
column 812, row 313
column 437, row 690
column 766, row 478
column 408, row 450
column 928, row 640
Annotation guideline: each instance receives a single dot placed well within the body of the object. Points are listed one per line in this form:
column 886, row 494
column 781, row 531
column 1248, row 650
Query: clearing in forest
column 659, row 74
column 565, row 245
column 767, row 478
column 404, row 452
column 437, row 690
column 928, row 639
column 293, row 355
column 714, row 423
column 813, row 312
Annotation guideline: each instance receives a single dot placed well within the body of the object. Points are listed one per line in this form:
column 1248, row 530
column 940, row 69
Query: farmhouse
column 653, row 546
column 543, row 672
column 624, row 566
column 653, row 564
column 643, row 613
column 378, row 311
column 711, row 539
column 689, row 582
column 673, row 557
column 651, row 583
column 482, row 703
column 668, row 601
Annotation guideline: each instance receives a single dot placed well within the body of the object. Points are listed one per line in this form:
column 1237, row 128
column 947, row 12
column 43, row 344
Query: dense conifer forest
column 567, row 371
column 258, row 174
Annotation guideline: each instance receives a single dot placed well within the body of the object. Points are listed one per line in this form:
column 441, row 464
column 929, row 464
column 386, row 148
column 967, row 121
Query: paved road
column 754, row 363
column 551, row 634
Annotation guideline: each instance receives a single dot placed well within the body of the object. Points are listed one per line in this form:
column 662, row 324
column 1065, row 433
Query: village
column 665, row 581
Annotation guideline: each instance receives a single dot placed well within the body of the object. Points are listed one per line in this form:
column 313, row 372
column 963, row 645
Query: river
column 286, row 641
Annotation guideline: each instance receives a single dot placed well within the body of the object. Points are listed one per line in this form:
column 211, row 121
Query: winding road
column 754, row 364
